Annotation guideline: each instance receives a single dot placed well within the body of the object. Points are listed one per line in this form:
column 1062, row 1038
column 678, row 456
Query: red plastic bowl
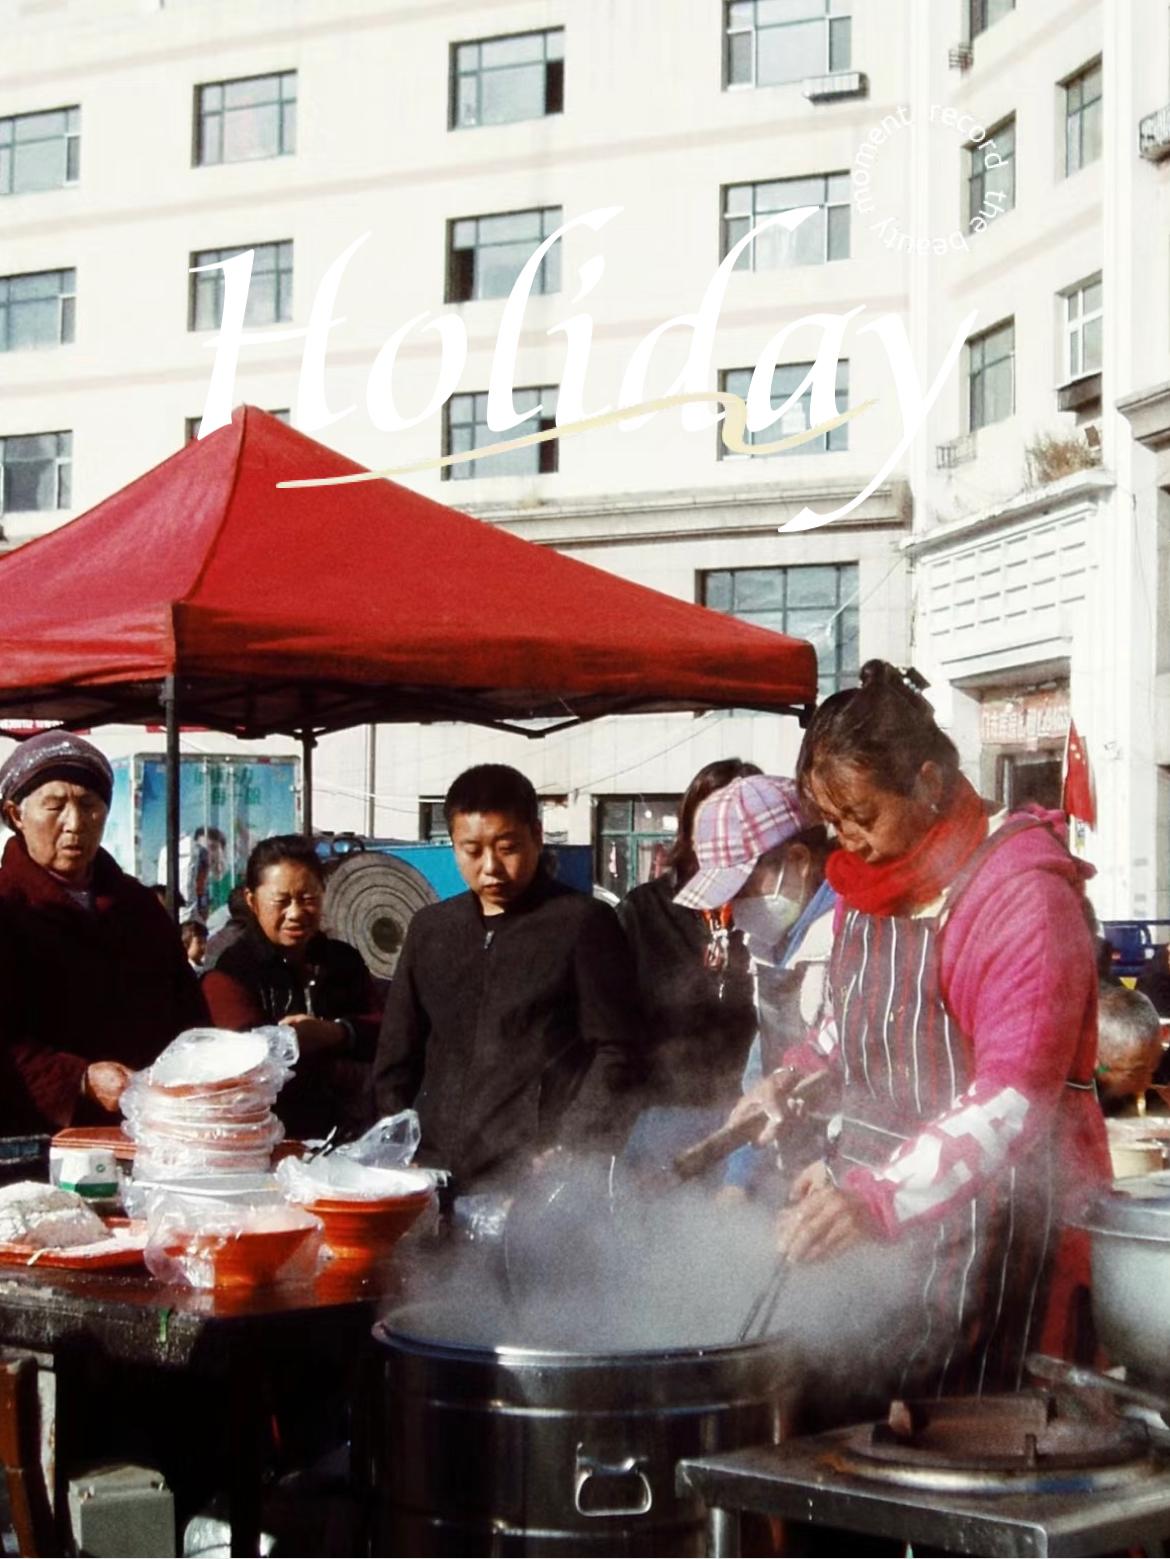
column 250, row 1259
column 360, row 1235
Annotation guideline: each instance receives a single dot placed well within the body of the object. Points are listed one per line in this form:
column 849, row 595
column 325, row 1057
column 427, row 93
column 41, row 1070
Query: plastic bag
column 391, row 1144
column 206, row 1243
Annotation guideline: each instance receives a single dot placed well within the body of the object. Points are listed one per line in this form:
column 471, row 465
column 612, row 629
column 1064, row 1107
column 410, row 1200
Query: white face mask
column 765, row 918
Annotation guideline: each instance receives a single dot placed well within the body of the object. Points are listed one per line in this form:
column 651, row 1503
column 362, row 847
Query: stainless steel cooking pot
column 501, row 1449
column 1130, row 1230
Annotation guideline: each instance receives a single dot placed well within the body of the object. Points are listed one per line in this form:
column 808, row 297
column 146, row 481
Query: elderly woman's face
column 61, row 824
column 287, row 905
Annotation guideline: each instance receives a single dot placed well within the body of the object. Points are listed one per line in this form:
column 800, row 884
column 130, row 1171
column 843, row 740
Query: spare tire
column 370, row 900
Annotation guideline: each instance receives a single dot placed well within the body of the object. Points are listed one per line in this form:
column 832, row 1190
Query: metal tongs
column 758, row 1321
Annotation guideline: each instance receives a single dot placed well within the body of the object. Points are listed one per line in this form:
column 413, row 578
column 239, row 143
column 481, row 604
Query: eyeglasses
column 283, row 901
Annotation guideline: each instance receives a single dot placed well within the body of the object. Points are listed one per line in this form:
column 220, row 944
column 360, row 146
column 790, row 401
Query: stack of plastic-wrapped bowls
column 205, row 1107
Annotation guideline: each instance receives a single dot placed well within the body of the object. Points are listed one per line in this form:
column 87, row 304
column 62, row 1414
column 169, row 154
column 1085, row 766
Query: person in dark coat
column 283, row 969
column 1154, row 983
column 512, row 1023
column 94, row 981
column 693, row 971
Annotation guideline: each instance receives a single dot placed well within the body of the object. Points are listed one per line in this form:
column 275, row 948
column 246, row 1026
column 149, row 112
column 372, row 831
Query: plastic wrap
column 205, row 1106
column 340, row 1179
column 207, row 1243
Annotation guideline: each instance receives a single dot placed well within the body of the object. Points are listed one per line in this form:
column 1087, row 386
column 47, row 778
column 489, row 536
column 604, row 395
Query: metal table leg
column 724, row 1539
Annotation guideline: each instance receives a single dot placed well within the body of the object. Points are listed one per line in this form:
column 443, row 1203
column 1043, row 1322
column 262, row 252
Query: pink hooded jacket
column 1019, row 977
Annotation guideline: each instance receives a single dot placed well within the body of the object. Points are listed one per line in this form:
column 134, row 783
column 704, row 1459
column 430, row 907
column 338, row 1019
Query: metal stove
column 1030, row 1473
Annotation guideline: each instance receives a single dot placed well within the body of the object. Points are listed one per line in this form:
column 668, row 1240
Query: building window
column 269, row 291
column 465, row 427
column 191, row 425
column 823, row 236
column 499, row 80
column 633, row 835
column 40, row 151
column 37, row 471
column 38, row 309
column 786, row 380
column 997, row 181
column 991, row 375
column 1082, row 329
column 772, row 41
column 236, row 121
column 485, row 255
column 817, row 602
column 985, row 13
column 1082, row 119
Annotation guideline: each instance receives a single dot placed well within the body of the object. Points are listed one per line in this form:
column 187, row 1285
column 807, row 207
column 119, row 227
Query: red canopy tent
column 254, row 609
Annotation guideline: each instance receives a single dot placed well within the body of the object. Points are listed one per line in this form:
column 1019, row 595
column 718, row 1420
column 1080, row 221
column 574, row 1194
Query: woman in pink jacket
column 964, row 1009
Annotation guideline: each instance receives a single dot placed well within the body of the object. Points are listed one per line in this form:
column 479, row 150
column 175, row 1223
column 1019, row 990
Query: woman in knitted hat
column 94, row 981
column 964, row 1000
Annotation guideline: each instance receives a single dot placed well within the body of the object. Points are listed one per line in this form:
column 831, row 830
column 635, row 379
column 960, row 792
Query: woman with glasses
column 284, row 969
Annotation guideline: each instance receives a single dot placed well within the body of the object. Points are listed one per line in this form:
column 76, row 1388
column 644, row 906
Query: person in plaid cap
column 758, row 855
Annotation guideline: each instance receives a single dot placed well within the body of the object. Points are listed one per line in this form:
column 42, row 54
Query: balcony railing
column 1154, row 135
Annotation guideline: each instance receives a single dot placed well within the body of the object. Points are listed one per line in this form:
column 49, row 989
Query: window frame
column 66, row 299
column 281, row 103
column 837, row 55
column 214, row 281
column 553, row 86
column 70, row 134
column 844, row 616
column 547, row 455
column 1080, row 116
column 980, row 176
column 62, row 472
column 979, row 18
column 747, row 258
column 1073, row 328
column 548, row 274
column 976, row 377
column 822, row 445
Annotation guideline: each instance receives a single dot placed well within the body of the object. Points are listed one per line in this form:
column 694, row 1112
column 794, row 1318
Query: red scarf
column 918, row 877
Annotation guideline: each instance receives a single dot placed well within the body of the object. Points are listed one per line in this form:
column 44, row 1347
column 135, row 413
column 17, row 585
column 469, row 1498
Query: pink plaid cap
column 733, row 828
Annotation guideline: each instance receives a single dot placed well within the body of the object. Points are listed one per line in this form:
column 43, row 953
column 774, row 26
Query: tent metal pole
column 308, row 742
column 371, row 778
column 171, row 706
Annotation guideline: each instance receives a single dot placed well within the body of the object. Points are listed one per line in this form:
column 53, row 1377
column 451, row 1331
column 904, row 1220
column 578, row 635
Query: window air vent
column 955, row 452
column 842, row 83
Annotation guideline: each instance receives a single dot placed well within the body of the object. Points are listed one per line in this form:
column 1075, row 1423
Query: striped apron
column 982, row 1272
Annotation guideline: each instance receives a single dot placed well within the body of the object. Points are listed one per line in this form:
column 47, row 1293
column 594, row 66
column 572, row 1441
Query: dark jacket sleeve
column 402, row 1042
column 610, row 1025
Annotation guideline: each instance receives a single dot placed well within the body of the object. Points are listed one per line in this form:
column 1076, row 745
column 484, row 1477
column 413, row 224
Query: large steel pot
column 1130, row 1231
column 516, row 1450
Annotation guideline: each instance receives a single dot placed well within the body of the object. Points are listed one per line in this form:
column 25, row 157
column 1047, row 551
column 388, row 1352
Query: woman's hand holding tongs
column 782, row 1096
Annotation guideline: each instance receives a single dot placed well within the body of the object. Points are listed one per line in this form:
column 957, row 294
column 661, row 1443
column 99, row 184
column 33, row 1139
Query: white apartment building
column 441, row 144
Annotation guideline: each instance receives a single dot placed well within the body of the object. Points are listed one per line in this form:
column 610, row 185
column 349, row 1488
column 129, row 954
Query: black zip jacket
column 510, row 1033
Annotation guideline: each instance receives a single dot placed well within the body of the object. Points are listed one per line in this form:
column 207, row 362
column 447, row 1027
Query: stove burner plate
column 995, row 1445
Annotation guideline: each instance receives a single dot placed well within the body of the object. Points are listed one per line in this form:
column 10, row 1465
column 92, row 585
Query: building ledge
column 1148, row 414
column 1080, row 394
column 687, row 514
column 1070, row 492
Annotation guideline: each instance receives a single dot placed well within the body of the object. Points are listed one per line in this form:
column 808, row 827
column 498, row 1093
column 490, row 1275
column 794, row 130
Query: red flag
column 1078, row 783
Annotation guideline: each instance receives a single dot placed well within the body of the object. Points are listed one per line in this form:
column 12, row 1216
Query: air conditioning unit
column 842, row 83
column 955, row 452
column 1154, row 135
column 961, row 56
